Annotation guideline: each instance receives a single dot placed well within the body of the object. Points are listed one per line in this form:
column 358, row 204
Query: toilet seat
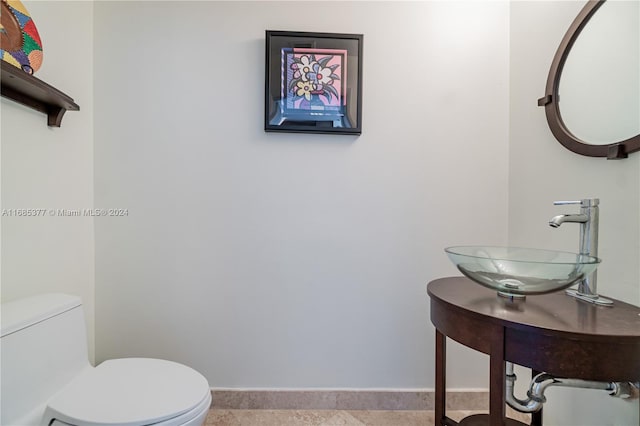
column 131, row 392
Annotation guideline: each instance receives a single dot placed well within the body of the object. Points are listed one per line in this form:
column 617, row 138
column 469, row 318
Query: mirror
column 592, row 98
column 604, row 65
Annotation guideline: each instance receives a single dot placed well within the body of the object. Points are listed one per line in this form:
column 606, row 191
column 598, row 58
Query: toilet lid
column 129, row 392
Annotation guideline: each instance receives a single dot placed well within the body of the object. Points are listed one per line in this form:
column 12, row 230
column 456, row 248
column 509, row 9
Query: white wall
column 284, row 260
column 52, row 168
column 542, row 171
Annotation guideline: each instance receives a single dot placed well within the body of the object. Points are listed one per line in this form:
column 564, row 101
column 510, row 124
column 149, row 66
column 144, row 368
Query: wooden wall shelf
column 27, row 90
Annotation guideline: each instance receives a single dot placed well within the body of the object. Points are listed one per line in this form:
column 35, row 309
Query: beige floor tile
column 342, row 418
column 221, row 418
column 393, row 418
column 282, row 417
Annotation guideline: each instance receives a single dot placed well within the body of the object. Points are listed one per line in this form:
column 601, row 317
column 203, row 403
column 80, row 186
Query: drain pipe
column 535, row 394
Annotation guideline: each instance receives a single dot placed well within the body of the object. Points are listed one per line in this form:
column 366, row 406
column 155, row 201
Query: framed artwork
column 313, row 83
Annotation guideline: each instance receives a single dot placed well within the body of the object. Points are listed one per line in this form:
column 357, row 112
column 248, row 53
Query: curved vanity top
column 550, row 313
column 549, row 332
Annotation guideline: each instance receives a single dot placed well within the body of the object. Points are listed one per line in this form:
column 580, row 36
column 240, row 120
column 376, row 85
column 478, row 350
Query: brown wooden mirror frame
column 615, row 150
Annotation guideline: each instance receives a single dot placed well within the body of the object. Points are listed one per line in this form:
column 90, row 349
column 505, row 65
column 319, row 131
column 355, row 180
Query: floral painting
column 312, row 80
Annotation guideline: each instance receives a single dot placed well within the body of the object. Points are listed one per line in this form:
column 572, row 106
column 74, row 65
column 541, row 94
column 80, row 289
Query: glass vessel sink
column 516, row 272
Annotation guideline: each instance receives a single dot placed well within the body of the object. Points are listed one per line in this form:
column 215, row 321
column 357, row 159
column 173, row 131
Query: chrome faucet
column 588, row 219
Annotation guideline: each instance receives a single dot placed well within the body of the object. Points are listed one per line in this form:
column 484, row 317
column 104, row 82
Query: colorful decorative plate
column 20, row 43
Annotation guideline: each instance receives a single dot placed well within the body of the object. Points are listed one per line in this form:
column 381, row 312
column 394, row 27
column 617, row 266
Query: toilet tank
column 43, row 346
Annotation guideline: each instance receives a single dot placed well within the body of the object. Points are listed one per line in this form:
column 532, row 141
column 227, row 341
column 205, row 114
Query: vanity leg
column 441, row 371
column 536, row 418
column 497, row 379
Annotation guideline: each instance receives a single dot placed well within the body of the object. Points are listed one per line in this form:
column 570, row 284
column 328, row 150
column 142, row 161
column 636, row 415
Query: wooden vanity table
column 551, row 333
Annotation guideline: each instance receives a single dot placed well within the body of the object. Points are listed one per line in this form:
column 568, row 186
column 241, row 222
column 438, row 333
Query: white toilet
column 47, row 379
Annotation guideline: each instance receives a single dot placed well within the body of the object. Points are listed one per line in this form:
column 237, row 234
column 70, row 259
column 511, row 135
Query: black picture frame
column 313, row 82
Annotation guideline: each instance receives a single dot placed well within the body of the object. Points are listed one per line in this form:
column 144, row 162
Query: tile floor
column 219, row 417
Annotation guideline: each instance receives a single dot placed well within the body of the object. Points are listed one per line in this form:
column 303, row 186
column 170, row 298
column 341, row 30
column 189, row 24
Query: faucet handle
column 562, row 203
column 585, row 202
